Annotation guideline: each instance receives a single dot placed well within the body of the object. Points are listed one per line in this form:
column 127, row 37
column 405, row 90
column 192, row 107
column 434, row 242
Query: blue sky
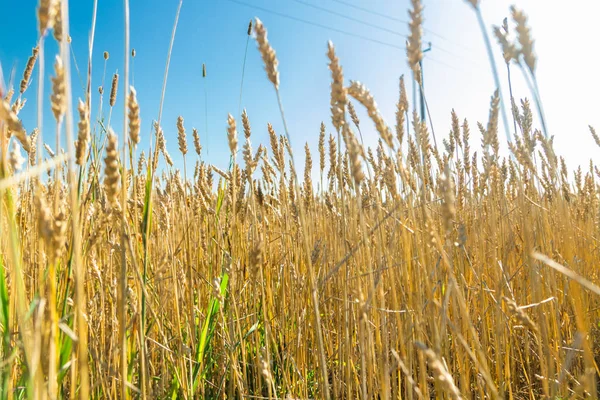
column 457, row 73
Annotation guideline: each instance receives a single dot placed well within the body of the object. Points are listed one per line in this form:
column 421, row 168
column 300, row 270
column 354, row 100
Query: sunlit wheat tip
column 413, row 47
column 232, row 134
column 525, row 39
column 353, row 115
column 361, row 93
column 246, row 124
column 401, row 109
column 28, row 69
column 268, row 54
column 112, row 176
column 113, row 90
column 248, row 157
column 46, row 10
column 594, row 135
column 509, row 51
column 322, row 147
column 58, row 98
column 354, row 152
column 83, row 134
column 133, row 116
column 181, row 139
column 58, row 23
column 197, row 145
column 338, row 91
column 33, row 140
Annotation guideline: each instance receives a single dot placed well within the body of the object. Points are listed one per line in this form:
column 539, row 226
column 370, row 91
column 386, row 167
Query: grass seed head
column 268, row 54
column 181, row 136
column 83, row 134
column 58, row 99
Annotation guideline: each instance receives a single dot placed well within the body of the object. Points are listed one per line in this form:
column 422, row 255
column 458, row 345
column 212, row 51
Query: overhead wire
column 403, row 21
column 341, row 31
column 374, row 26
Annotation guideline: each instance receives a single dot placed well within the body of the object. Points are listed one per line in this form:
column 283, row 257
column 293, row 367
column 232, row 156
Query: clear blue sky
column 457, row 73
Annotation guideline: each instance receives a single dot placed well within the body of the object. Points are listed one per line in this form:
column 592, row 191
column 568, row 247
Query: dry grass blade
column 567, row 272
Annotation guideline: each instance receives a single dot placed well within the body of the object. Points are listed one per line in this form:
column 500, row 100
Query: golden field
column 421, row 268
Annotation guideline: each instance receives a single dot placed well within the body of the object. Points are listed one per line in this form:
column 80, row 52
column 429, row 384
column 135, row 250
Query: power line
column 374, row 26
column 403, row 21
column 351, row 18
column 343, row 32
column 368, row 11
column 355, row 35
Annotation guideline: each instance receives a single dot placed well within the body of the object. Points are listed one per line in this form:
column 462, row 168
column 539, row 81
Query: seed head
column 246, row 124
column 113, row 90
column 134, row 116
column 28, row 69
column 232, row 134
column 46, row 11
column 111, row 169
column 361, row 93
column 524, row 37
column 268, row 54
column 58, row 99
column 13, row 123
column 338, row 91
column 413, row 47
column 83, row 134
column 197, row 145
column 181, row 136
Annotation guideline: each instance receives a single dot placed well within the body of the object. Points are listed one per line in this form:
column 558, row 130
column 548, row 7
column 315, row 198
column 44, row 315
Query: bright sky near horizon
column 369, row 37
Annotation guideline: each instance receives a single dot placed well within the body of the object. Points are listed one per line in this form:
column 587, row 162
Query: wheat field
column 421, row 268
